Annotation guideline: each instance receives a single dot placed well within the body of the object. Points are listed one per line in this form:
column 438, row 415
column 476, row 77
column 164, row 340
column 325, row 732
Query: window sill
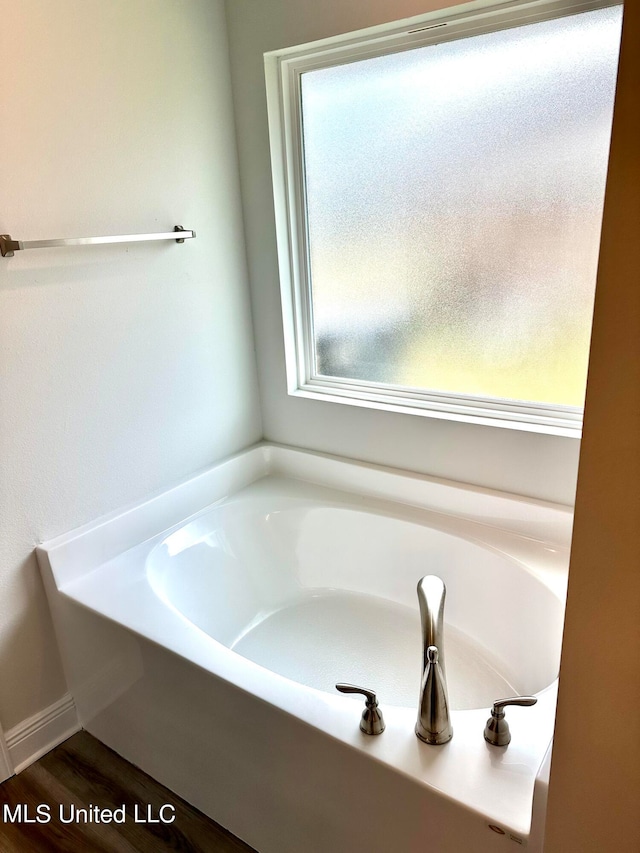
column 546, row 420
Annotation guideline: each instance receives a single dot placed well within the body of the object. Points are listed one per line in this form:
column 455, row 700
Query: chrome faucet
column 434, row 721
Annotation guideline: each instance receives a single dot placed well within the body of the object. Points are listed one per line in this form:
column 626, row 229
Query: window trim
column 283, row 69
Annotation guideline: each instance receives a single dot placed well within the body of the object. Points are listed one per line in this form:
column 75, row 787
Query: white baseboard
column 34, row 737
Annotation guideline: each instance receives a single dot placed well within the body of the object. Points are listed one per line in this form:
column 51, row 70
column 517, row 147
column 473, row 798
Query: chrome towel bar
column 8, row 246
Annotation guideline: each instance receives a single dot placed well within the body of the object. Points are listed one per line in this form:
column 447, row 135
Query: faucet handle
column 372, row 722
column 496, row 732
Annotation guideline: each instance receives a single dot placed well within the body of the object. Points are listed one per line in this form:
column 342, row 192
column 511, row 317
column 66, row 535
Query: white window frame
column 283, row 69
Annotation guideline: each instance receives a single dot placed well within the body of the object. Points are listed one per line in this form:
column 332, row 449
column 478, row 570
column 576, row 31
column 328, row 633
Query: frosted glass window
column 453, row 208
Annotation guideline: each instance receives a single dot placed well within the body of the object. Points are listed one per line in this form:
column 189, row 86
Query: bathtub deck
column 83, row 771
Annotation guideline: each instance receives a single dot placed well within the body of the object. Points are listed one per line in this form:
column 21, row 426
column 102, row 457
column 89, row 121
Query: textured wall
column 122, row 368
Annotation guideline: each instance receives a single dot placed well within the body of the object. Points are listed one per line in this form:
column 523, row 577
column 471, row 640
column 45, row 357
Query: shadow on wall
column 27, row 635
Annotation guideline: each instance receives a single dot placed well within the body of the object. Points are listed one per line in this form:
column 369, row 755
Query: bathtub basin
column 319, row 590
column 203, row 633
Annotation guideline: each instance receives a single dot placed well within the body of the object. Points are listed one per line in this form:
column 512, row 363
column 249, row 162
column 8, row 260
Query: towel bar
column 8, row 246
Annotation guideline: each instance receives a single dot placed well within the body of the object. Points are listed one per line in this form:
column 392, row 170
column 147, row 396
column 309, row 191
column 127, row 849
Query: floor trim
column 35, row 736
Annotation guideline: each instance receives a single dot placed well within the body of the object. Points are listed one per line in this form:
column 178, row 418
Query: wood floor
column 82, row 772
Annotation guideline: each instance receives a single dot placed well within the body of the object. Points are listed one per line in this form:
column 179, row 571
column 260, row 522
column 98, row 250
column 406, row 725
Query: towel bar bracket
column 8, row 246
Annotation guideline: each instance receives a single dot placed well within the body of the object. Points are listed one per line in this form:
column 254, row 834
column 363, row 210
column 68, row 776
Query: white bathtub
column 234, row 603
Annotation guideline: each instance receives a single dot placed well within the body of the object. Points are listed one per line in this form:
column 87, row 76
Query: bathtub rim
column 92, row 543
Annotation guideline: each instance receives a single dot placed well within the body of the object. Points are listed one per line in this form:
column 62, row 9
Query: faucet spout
column 434, row 720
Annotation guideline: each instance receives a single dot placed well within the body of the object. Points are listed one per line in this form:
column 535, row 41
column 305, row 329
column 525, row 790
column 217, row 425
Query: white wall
column 6, row 768
column 122, row 368
column 534, row 465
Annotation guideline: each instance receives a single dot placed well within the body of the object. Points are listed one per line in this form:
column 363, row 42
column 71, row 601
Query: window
column 439, row 197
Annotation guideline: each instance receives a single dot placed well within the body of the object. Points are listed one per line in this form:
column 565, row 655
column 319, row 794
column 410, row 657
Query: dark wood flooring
column 83, row 772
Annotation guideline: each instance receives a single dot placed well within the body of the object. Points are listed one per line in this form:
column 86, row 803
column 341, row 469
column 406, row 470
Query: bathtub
column 203, row 632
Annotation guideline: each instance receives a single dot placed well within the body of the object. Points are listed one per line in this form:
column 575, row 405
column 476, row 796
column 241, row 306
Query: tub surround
column 221, row 730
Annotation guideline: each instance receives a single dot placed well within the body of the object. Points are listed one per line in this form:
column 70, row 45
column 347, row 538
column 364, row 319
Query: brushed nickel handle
column 372, row 721
column 496, row 732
